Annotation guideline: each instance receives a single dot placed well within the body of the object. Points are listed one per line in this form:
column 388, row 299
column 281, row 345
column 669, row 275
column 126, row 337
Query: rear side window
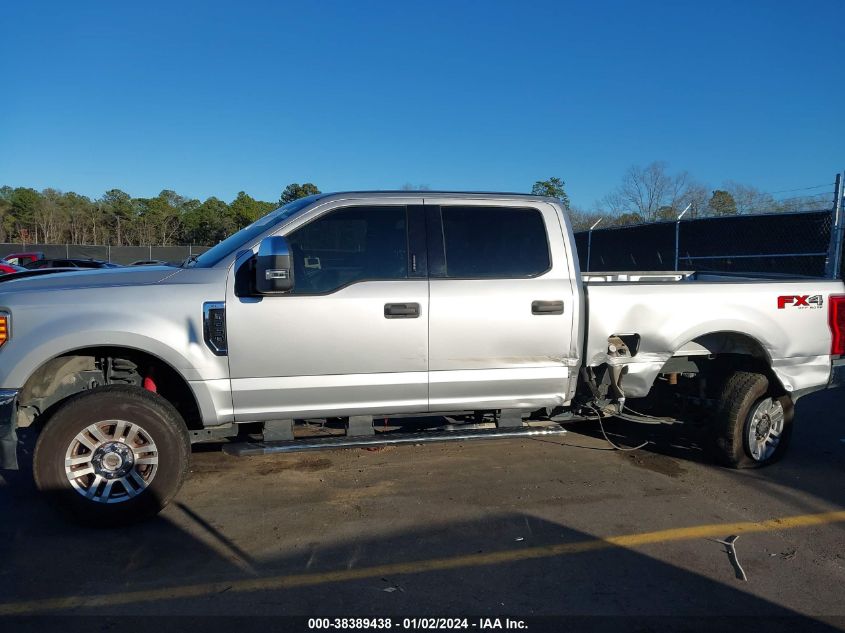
column 497, row 242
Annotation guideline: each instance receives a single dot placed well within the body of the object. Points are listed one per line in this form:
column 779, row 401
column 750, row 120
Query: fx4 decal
column 813, row 302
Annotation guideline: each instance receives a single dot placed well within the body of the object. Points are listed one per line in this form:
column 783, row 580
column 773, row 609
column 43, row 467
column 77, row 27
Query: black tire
column 742, row 393
column 161, row 430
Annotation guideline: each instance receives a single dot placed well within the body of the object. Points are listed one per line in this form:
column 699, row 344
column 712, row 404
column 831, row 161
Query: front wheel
column 753, row 426
column 112, row 455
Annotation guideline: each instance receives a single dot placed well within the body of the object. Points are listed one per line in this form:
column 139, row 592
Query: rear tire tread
column 741, row 391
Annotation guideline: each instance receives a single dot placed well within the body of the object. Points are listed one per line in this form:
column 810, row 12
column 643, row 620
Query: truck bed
column 685, row 313
column 653, row 276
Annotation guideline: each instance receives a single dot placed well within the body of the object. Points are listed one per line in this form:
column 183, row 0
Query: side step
column 244, row 449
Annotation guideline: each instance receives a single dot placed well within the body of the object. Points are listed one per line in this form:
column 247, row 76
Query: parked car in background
column 23, row 273
column 149, row 262
column 6, row 268
column 22, row 259
column 71, row 263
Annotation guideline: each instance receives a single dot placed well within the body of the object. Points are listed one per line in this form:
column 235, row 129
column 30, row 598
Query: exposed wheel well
column 719, row 354
column 88, row 368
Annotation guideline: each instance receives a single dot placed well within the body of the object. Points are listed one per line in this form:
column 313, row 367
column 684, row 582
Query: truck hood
column 97, row 278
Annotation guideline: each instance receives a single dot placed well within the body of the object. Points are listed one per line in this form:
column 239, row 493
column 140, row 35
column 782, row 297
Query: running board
column 244, row 449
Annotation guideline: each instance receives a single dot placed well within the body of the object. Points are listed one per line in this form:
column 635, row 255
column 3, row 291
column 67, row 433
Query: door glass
column 349, row 245
column 498, row 242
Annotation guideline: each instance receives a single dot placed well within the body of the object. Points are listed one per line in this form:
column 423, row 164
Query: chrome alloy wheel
column 111, row 461
column 765, row 426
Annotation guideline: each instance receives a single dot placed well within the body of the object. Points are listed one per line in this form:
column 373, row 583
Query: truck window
column 349, row 245
column 498, row 242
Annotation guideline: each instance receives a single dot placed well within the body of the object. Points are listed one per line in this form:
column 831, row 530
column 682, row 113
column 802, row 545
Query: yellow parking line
column 415, row 567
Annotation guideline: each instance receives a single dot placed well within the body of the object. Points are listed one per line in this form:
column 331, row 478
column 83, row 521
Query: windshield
column 216, row 253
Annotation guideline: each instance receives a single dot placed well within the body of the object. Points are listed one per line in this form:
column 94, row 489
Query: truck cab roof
column 469, row 195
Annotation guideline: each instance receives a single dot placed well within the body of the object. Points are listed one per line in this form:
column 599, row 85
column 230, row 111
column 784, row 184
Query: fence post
column 590, row 242
column 109, row 253
column 834, row 256
column 151, row 252
column 678, row 236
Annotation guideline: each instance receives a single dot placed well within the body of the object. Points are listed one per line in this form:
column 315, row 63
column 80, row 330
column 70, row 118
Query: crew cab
column 369, row 318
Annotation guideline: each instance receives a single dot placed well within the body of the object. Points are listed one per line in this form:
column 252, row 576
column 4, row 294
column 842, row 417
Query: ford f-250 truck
column 371, row 318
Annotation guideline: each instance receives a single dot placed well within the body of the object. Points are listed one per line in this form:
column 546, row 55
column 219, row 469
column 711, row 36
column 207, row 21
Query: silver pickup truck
column 370, row 318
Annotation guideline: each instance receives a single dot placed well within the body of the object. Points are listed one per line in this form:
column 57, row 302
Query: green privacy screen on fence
column 116, row 254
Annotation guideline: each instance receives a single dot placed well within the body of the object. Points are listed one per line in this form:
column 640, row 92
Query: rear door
column 501, row 305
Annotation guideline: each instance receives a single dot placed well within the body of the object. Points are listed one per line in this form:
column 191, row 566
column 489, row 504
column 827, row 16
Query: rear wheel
column 753, row 425
column 112, row 455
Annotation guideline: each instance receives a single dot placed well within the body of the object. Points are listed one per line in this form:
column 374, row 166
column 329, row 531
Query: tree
column 117, row 218
column 801, row 203
column 722, row 203
column 75, row 213
column 749, row 199
column 552, row 188
column 208, row 223
column 5, row 210
column 295, row 191
column 24, row 203
column 628, row 218
column 696, row 197
column 162, row 216
column 583, row 220
column 47, row 215
column 665, row 213
column 120, row 209
column 649, row 191
column 245, row 209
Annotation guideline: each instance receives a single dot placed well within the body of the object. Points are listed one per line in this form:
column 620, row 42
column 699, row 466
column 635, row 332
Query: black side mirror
column 273, row 267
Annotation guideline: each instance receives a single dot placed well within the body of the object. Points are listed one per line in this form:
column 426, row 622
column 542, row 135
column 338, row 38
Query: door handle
column 547, row 307
column 401, row 310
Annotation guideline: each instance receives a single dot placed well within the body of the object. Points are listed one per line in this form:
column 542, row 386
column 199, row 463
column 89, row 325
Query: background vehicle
column 149, row 262
column 465, row 309
column 21, row 259
column 25, row 273
column 6, row 268
column 71, row 263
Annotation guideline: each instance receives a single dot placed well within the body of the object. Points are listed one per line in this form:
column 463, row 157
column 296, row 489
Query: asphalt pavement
column 559, row 526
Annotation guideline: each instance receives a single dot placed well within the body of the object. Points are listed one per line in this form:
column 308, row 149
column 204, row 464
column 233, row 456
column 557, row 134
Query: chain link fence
column 116, row 254
column 798, row 244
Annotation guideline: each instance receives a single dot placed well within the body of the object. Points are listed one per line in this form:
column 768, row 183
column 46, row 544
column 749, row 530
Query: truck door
column 352, row 336
column 501, row 306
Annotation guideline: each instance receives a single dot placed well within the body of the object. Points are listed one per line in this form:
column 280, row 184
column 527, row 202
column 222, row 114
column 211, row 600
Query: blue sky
column 210, row 98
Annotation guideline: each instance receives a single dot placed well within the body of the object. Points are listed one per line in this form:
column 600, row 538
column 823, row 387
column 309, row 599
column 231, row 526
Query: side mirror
column 273, row 267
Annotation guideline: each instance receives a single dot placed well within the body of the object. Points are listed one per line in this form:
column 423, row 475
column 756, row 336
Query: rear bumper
column 8, row 436
column 836, row 379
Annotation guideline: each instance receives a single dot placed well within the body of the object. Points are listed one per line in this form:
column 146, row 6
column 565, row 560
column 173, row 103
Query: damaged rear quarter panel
column 669, row 315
